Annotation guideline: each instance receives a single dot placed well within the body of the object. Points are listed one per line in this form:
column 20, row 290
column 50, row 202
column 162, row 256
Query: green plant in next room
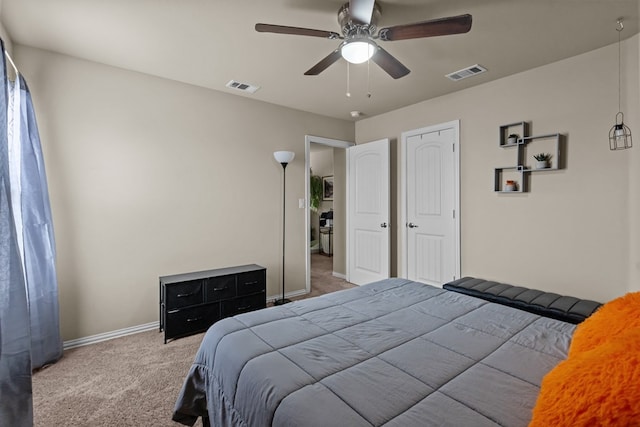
column 315, row 191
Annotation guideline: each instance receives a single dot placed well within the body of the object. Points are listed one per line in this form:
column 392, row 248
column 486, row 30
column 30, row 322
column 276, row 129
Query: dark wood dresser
column 191, row 302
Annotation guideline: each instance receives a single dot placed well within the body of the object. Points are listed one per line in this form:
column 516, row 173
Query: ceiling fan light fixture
column 358, row 20
column 358, row 51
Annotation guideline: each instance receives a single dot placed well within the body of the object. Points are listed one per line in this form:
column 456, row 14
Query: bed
column 391, row 353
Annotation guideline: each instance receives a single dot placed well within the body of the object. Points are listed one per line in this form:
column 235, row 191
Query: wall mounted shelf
column 500, row 175
column 519, row 128
column 528, row 142
column 524, row 146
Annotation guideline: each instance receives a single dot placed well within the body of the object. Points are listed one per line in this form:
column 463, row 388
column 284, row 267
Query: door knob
column 383, row 225
column 412, row 225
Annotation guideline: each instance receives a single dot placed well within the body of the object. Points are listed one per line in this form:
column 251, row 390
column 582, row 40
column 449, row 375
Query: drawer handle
column 243, row 308
column 220, row 289
column 188, row 295
column 194, row 319
column 251, row 283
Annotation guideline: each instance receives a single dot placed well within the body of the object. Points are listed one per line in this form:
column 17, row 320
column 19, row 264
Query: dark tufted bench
column 568, row 309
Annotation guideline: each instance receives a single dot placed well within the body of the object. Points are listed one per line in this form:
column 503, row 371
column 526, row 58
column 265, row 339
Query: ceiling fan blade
column 361, row 10
column 435, row 27
column 324, row 63
column 388, row 63
column 283, row 29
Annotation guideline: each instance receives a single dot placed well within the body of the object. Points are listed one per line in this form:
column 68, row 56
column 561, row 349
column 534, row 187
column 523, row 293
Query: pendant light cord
column 619, row 28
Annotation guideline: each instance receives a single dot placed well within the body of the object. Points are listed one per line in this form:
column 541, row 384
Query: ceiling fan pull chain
column 348, row 82
column 368, row 79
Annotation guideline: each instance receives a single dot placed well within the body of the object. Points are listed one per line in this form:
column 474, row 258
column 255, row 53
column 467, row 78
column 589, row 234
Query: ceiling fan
column 358, row 20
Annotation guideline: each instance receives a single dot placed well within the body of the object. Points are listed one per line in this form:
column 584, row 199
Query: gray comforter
column 391, row 353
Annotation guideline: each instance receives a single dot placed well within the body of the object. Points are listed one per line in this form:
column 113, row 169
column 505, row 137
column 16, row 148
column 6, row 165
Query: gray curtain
column 29, row 313
column 39, row 243
column 15, row 340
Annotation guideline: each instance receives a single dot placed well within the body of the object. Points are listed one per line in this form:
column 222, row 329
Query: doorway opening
column 325, row 213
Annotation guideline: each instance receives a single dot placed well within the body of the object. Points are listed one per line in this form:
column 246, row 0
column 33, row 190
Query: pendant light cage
column 619, row 134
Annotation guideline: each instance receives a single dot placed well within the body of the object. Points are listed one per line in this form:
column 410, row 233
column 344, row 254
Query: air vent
column 466, row 72
column 244, row 87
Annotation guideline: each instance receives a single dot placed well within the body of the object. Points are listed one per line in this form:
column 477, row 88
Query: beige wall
column 8, row 45
column 150, row 177
column 632, row 50
column 571, row 232
column 5, row 36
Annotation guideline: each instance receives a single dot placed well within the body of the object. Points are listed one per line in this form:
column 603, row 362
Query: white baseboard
column 79, row 342
column 339, row 275
column 287, row 295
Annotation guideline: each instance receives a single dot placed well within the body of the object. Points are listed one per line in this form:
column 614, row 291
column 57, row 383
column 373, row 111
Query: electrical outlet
column 301, row 203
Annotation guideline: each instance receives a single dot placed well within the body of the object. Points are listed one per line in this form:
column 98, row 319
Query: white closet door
column 432, row 254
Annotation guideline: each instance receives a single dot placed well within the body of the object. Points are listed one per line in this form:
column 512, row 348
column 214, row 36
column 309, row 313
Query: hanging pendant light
column 620, row 134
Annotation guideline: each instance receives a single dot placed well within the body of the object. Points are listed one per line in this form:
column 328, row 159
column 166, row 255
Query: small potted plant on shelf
column 512, row 138
column 542, row 160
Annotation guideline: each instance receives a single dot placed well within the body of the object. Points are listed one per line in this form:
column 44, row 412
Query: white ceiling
column 209, row 42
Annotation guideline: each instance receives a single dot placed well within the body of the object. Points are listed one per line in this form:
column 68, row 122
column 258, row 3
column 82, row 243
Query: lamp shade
column 357, row 51
column 284, row 156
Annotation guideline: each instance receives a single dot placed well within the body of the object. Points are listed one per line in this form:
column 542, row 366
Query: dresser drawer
column 184, row 294
column 191, row 302
column 243, row 304
column 191, row 320
column 251, row 282
column 219, row 288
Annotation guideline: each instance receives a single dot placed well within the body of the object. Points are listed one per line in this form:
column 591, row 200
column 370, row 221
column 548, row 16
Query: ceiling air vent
column 466, row 72
column 244, row 87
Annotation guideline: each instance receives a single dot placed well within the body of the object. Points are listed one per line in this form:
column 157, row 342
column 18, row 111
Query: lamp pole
column 283, row 157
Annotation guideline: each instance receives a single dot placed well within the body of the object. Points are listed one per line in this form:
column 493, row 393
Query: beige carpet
column 322, row 279
column 129, row 381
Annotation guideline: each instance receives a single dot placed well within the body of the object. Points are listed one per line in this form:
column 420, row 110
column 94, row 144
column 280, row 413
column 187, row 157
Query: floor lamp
column 284, row 158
